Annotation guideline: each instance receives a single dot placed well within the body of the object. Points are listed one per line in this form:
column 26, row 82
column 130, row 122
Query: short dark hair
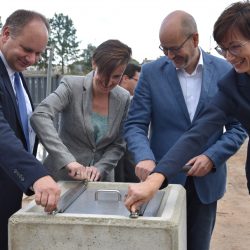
column 234, row 17
column 131, row 69
column 20, row 18
column 109, row 55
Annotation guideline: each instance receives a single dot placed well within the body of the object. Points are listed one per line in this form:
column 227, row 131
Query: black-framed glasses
column 174, row 50
column 234, row 48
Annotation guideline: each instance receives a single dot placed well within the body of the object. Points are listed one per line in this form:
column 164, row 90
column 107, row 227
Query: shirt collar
column 200, row 62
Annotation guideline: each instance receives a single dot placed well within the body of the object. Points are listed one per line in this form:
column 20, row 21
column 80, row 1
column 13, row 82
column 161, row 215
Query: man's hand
column 201, row 166
column 142, row 192
column 76, row 170
column 144, row 168
column 47, row 193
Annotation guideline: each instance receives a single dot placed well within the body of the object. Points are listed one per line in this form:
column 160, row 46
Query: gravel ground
column 232, row 229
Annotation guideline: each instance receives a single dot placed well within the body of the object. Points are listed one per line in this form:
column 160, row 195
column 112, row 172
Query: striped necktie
column 22, row 107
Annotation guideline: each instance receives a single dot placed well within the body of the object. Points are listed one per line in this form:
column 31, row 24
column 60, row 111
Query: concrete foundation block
column 32, row 229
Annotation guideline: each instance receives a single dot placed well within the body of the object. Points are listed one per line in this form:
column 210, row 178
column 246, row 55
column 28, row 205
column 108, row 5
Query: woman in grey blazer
column 89, row 141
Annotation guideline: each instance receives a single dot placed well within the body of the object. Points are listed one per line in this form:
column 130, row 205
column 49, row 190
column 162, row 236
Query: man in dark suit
column 24, row 37
column 171, row 93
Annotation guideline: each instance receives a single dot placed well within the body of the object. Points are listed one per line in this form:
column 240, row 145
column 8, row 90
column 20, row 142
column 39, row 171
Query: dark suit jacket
column 159, row 99
column 18, row 168
column 232, row 99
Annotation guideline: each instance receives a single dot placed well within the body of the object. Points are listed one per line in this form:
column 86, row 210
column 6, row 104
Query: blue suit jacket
column 18, row 168
column 232, row 99
column 159, row 100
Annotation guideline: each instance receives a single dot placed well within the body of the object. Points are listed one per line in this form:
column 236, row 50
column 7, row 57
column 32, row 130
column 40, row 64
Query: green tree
column 87, row 57
column 84, row 65
column 64, row 40
column 1, row 25
column 134, row 61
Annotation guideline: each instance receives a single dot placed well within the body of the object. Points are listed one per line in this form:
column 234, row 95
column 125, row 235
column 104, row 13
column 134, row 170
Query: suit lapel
column 87, row 108
column 8, row 86
column 243, row 85
column 114, row 106
column 174, row 83
column 207, row 82
column 7, row 83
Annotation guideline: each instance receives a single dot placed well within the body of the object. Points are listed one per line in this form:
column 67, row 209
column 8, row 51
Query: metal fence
column 38, row 90
column 38, row 86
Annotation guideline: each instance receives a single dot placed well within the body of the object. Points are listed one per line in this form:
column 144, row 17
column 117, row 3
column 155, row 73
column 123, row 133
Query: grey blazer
column 74, row 140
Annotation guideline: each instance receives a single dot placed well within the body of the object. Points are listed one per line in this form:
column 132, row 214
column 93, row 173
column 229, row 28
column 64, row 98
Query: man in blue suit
column 24, row 37
column 170, row 94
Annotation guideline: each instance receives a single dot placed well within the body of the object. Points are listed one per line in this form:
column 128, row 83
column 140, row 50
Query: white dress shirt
column 191, row 86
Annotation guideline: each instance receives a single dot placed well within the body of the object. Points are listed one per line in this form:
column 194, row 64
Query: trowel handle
column 139, row 212
column 186, row 168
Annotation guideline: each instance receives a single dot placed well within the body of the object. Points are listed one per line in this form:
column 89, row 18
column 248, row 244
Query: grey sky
column 134, row 22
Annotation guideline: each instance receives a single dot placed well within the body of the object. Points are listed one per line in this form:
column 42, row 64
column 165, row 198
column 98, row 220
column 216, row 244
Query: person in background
column 171, row 94
column 23, row 38
column 125, row 170
column 92, row 111
column 130, row 77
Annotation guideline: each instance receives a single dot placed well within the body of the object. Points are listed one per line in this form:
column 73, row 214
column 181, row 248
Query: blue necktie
column 22, row 107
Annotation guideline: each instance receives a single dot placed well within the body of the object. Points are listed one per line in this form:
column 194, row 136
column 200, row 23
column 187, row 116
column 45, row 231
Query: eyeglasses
column 234, row 49
column 174, row 50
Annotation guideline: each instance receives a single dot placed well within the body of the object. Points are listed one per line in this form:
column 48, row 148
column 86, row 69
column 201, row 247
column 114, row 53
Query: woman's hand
column 92, row 173
column 76, row 170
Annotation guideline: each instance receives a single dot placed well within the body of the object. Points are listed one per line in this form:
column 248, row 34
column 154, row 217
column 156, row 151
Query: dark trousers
column 125, row 170
column 11, row 199
column 200, row 219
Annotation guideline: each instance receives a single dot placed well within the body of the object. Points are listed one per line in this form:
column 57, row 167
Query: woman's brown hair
column 109, row 55
column 236, row 17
